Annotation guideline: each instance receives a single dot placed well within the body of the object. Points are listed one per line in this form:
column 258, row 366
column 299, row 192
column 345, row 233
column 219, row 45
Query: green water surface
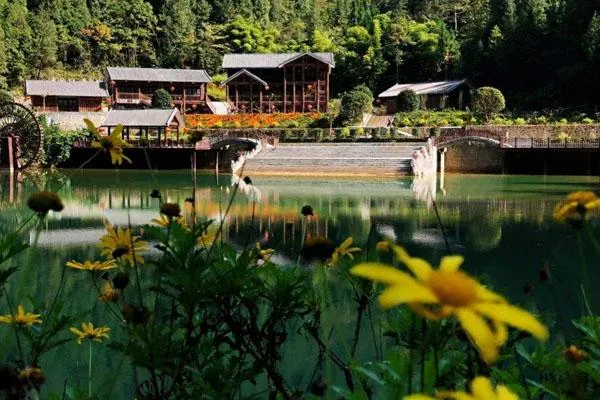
column 501, row 224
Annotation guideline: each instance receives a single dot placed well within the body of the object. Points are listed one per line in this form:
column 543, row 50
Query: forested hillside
column 541, row 53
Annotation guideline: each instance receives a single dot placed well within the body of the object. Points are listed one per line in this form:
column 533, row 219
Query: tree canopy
column 539, row 53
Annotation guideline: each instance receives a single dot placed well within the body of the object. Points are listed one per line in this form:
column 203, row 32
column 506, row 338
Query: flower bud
column 171, row 210
column 42, row 202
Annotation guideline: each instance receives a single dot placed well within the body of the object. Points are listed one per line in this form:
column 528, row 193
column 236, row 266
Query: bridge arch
column 466, row 139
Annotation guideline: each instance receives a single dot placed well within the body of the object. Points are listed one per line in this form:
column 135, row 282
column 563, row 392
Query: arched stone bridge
column 231, row 138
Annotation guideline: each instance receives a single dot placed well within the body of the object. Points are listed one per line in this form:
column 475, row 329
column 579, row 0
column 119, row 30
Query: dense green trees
column 540, row 53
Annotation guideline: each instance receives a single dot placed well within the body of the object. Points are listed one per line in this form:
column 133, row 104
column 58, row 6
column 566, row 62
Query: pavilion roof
column 65, row 88
column 158, row 75
column 151, row 117
column 442, row 87
column 270, row 60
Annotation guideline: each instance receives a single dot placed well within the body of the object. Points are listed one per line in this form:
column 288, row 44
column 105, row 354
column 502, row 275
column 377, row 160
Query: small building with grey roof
column 278, row 82
column 134, row 87
column 152, row 125
column 454, row 94
column 66, row 96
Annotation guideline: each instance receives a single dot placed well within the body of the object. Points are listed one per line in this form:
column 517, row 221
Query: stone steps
column 346, row 158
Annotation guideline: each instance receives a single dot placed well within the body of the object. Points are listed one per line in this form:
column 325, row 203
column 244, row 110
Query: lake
column 501, row 224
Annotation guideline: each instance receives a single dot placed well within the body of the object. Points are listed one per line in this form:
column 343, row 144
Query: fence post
column 515, row 143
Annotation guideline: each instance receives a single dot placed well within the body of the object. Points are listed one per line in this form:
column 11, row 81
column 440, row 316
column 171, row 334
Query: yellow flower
column 481, row 389
column 121, row 244
column 112, row 144
column 342, row 250
column 89, row 332
column 574, row 355
column 92, row 266
column 32, row 374
column 446, row 291
column 164, row 221
column 22, row 318
column 576, row 206
column 264, row 254
column 109, row 293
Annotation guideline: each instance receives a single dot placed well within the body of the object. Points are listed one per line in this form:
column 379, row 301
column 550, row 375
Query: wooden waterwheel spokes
column 21, row 125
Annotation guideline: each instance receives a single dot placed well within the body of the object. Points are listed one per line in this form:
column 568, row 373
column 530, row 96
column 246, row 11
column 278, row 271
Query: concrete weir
column 334, row 159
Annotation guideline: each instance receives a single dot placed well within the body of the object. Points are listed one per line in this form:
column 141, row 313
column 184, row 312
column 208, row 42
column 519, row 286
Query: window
column 68, row 104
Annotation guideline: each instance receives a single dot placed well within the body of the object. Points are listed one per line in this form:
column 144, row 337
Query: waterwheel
column 20, row 136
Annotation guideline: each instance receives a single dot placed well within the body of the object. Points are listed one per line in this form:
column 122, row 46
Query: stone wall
column 71, row 121
column 575, row 131
column 474, row 157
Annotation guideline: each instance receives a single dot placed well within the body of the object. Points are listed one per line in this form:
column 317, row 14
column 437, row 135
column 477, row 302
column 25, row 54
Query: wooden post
column 303, row 86
column 318, row 84
column 293, row 89
column 327, row 88
column 260, row 101
column 251, row 96
column 44, row 103
column 284, row 90
column 11, row 155
column 237, row 98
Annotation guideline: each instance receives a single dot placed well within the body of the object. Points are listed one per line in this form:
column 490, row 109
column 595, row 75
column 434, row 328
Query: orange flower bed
column 248, row 120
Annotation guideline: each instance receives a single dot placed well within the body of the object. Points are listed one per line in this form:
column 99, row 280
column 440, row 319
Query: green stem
column 90, row 373
column 585, row 279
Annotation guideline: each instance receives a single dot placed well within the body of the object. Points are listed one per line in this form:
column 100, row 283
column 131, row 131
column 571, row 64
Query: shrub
column 6, row 97
column 458, row 122
column 541, row 120
column 520, row 121
column 587, row 121
column 318, row 134
column 359, row 132
column 488, row 101
column 162, row 99
column 57, row 144
column 344, row 132
column 354, row 104
column 562, row 121
column 408, row 100
column 405, row 122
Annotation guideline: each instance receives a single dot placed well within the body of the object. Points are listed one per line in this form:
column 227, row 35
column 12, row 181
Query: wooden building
column 61, row 96
column 134, row 87
column 433, row 95
column 149, row 124
column 280, row 82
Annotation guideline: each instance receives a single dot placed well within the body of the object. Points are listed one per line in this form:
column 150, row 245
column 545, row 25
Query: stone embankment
column 334, row 159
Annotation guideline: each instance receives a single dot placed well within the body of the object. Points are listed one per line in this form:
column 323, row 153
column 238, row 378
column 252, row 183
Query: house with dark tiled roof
column 60, row 96
column 278, row 82
column 433, row 95
column 134, row 87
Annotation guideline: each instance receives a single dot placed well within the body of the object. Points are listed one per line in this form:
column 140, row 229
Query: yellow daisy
column 342, row 250
column 89, row 332
column 164, row 221
column 92, row 266
column 109, row 293
column 22, row 318
column 121, row 244
column 264, row 254
column 446, row 291
column 481, row 389
column 112, row 144
column 576, row 206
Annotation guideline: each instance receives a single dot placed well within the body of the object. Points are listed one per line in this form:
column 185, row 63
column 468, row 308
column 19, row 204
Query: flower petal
column 419, row 267
column 486, row 295
column 482, row 388
column 480, row 334
column 382, row 273
column 514, row 317
column 414, row 293
column 505, row 394
column 418, row 397
column 456, row 396
column 451, row 263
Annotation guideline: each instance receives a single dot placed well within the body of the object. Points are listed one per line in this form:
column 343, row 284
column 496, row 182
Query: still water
column 501, row 224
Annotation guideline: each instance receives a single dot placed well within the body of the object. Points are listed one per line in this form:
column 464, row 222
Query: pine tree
column 178, row 38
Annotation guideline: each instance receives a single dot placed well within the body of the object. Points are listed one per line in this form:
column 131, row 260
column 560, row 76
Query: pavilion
column 145, row 122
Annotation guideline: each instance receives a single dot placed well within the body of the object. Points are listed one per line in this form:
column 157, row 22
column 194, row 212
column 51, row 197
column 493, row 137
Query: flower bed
column 289, row 120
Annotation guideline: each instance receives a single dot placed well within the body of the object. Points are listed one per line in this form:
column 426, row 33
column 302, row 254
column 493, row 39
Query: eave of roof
column 142, row 118
column 65, row 88
column 441, row 87
column 270, row 60
column 158, row 75
column 244, row 72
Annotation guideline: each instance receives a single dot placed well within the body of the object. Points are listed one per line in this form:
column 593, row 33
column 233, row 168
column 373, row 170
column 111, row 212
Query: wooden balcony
column 189, row 99
column 133, row 98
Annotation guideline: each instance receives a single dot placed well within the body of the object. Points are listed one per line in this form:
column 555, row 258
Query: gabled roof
column 158, row 75
column 270, row 60
column 66, row 88
column 442, row 87
column 143, row 118
column 244, row 72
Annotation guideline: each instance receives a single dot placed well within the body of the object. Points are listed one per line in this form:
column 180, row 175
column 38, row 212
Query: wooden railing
column 133, row 97
column 534, row 143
